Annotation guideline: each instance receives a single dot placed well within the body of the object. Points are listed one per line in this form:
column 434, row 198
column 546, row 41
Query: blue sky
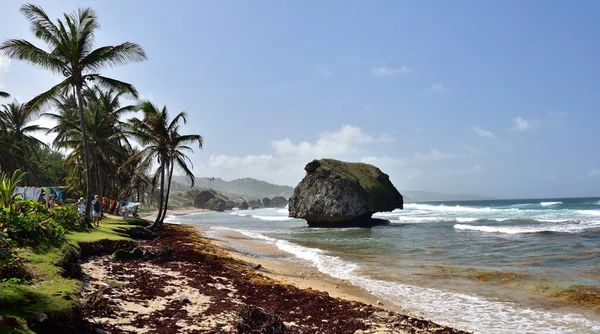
column 491, row 98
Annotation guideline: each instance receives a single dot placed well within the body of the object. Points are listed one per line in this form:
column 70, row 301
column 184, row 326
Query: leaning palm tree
column 71, row 53
column 178, row 145
column 163, row 146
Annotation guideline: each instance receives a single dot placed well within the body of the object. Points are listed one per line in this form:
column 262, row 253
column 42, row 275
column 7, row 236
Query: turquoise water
column 428, row 257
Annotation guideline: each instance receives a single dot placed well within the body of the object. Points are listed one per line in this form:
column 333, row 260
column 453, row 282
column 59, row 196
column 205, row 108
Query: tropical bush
column 11, row 265
column 32, row 228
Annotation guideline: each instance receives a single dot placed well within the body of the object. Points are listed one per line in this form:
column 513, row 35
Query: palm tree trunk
column 168, row 191
column 86, row 153
column 157, row 222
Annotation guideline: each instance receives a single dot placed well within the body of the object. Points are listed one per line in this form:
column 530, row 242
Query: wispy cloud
column 386, row 138
column 520, row 124
column 483, row 132
column 438, row 87
column 390, row 72
column 433, row 155
column 474, row 150
column 324, row 71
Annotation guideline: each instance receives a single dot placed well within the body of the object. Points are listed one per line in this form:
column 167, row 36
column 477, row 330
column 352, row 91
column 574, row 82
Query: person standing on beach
column 81, row 206
column 96, row 215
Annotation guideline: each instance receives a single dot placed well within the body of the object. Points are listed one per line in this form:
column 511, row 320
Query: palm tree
column 178, row 145
column 4, row 94
column 17, row 136
column 71, row 53
column 104, row 128
column 163, row 145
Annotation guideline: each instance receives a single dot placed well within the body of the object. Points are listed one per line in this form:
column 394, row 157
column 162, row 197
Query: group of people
column 96, row 210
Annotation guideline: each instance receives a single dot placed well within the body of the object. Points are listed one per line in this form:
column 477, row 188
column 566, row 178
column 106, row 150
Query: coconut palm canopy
column 105, row 154
column 71, row 53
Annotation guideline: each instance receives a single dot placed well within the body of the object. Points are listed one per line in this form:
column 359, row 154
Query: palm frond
column 110, row 56
column 23, row 50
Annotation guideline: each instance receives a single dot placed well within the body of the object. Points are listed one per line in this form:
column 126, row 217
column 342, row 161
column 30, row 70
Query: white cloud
column 4, row 65
column 285, row 164
column 385, row 138
column 324, row 71
column 346, row 140
column 483, row 132
column 390, row 72
column 285, row 161
column 433, row 155
column 438, row 87
column 520, row 124
column 474, row 150
column 594, row 172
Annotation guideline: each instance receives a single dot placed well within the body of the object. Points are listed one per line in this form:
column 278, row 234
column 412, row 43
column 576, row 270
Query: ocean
column 497, row 266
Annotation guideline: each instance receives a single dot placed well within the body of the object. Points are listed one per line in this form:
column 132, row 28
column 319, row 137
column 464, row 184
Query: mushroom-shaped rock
column 278, row 202
column 203, row 197
column 335, row 194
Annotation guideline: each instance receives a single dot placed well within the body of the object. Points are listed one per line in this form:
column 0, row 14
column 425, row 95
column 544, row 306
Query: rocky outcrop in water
column 335, row 194
column 266, row 202
column 278, row 202
column 244, row 206
column 255, row 204
column 203, row 197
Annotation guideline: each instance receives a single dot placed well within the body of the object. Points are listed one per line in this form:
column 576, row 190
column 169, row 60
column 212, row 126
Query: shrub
column 11, row 265
column 32, row 228
column 68, row 217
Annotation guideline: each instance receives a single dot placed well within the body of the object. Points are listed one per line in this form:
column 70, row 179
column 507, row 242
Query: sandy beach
column 186, row 283
column 279, row 267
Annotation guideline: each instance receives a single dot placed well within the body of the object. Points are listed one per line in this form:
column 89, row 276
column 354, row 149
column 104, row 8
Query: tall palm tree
column 71, row 53
column 164, row 146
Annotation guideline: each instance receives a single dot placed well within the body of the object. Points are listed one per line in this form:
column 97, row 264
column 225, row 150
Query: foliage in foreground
column 32, row 224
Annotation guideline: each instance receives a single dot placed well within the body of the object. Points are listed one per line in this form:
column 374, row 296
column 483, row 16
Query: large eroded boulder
column 255, row 204
column 203, row 197
column 266, row 202
column 278, row 202
column 335, row 193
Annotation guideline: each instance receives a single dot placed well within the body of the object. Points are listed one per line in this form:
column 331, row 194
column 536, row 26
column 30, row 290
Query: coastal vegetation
column 107, row 143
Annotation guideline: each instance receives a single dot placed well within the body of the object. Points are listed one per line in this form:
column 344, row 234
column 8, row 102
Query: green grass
column 48, row 291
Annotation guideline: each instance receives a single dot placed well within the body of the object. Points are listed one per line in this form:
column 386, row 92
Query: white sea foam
column 550, row 203
column 272, row 218
column 265, row 214
column 497, row 229
column 468, row 312
column 563, row 228
column 589, row 212
column 444, row 208
column 466, row 220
